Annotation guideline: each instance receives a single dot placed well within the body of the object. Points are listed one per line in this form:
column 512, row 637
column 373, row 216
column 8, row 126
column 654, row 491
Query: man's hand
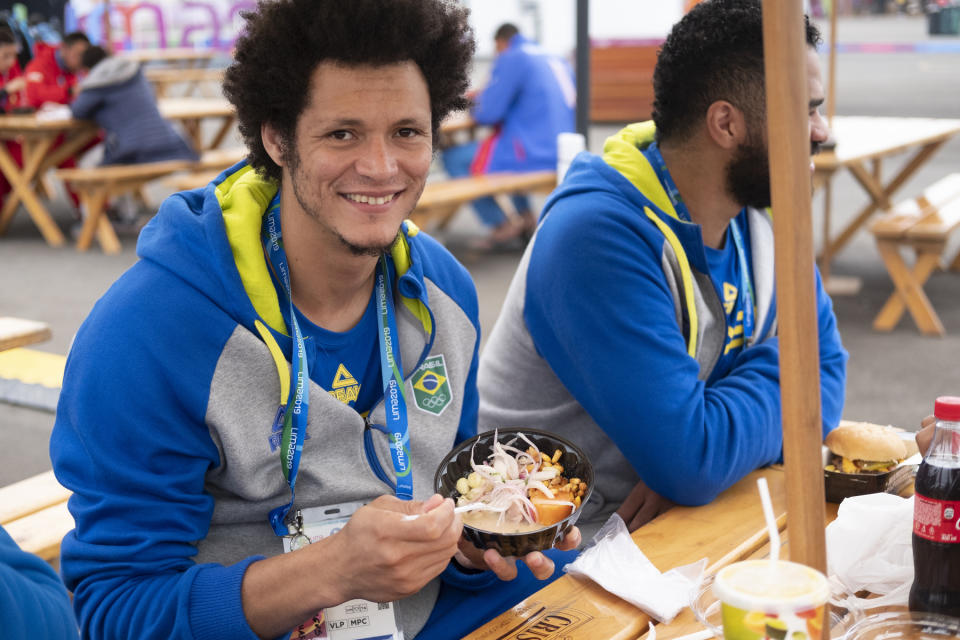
column 642, row 506
column 925, row 436
column 376, row 556
column 17, row 84
column 382, row 557
column 506, row 568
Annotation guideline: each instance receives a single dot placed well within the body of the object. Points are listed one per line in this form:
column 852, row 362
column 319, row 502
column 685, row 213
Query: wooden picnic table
column 16, row 332
column 191, row 112
column 862, row 143
column 37, row 137
column 162, row 78
column 183, row 57
column 729, row 529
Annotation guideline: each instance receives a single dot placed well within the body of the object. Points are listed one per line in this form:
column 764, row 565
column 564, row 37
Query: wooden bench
column 96, row 185
column 924, row 225
column 440, row 200
column 16, row 332
column 34, row 513
column 162, row 79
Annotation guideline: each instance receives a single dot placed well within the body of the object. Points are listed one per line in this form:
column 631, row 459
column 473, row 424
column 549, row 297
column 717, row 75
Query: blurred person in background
column 641, row 323
column 52, row 75
column 115, row 94
column 12, row 87
column 529, row 100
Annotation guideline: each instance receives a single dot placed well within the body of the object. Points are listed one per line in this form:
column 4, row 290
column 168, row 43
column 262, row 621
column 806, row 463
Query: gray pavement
column 893, row 378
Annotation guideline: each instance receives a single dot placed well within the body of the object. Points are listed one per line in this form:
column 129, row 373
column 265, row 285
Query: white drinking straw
column 771, row 521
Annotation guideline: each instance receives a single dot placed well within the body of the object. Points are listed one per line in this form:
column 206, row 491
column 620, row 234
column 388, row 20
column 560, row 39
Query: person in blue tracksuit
column 529, row 100
column 33, row 600
column 251, row 410
column 642, row 320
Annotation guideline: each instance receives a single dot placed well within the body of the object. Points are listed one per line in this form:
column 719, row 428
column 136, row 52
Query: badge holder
column 354, row 619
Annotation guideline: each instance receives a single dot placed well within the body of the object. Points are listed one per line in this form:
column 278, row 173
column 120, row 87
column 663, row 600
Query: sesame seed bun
column 866, row 441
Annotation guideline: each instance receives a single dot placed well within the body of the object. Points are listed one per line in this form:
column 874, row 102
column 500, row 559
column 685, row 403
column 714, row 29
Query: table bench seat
column 96, row 185
column 34, row 513
column 440, row 200
column 924, row 225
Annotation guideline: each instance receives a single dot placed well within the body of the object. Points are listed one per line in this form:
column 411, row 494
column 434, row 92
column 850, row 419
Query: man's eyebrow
column 357, row 123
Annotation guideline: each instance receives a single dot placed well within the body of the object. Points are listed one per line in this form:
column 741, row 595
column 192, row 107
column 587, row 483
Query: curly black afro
column 285, row 40
column 715, row 52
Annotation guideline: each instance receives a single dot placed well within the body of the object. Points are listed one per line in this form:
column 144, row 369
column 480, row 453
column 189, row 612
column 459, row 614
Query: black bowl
column 457, row 465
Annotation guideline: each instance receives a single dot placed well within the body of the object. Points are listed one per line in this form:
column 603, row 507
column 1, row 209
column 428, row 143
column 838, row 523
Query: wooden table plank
column 15, row 332
column 575, row 609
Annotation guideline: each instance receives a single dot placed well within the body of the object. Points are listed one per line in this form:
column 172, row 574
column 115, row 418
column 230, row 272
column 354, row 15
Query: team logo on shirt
column 734, row 326
column 431, row 389
column 345, row 387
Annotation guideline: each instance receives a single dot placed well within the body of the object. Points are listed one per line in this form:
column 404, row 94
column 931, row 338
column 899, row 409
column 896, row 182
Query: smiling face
column 360, row 154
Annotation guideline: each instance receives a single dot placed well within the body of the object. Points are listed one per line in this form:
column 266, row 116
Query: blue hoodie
column 531, row 98
column 163, row 429
column 612, row 329
column 33, row 602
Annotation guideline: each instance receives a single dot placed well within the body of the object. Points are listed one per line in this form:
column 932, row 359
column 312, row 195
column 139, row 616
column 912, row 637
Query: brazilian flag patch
column 431, row 389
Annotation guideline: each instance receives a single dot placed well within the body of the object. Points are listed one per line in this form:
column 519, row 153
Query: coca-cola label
column 936, row 520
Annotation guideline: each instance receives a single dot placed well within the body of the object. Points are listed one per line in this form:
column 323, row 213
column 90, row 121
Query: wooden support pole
column 785, row 62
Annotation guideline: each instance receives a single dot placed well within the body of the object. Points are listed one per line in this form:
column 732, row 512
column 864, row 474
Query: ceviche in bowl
column 520, row 490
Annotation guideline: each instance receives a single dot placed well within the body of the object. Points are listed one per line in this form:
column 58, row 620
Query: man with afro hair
column 641, row 323
column 288, row 363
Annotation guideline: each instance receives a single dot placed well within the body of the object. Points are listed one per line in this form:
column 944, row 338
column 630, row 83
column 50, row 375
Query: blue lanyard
column 653, row 155
column 293, row 415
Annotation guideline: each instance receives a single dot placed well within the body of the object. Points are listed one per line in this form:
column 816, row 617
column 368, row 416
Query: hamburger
column 862, row 447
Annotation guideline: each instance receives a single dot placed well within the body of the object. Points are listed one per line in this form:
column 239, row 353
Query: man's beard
column 748, row 175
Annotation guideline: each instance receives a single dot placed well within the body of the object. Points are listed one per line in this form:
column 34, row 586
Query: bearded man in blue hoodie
column 244, row 420
column 641, row 322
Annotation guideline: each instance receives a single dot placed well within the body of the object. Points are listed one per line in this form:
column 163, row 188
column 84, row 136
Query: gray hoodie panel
column 248, row 483
column 534, row 397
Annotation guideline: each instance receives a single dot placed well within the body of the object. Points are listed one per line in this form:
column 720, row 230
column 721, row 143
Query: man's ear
column 726, row 125
column 272, row 142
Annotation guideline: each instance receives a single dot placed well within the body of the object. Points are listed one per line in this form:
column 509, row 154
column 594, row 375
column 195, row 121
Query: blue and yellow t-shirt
column 725, row 270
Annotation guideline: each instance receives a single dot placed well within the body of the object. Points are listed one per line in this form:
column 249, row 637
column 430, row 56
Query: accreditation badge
column 354, row 619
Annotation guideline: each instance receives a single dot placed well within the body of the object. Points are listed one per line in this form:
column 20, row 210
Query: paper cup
column 779, row 601
column 568, row 146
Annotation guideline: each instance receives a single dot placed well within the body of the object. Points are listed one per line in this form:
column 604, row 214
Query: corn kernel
column 474, row 479
column 556, row 455
column 574, row 480
column 576, row 501
column 462, row 486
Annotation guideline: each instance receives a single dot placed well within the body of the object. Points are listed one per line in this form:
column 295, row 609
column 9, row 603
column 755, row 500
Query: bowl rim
column 466, row 444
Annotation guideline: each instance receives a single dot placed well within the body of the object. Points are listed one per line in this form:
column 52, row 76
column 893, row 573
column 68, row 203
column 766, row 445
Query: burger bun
column 867, row 441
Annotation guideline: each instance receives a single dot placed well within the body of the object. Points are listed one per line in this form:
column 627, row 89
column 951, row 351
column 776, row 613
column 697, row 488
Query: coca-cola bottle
column 936, row 517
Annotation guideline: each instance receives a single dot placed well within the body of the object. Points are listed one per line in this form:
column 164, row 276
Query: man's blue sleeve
column 495, row 100
column 600, row 312
column 130, row 441
column 33, row 601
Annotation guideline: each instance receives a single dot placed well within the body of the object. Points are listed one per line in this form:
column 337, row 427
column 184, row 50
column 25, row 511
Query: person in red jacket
column 12, row 85
column 52, row 74
column 52, row 77
column 12, row 82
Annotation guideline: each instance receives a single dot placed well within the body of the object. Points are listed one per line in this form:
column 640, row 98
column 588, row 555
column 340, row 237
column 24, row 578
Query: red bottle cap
column 947, row 408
